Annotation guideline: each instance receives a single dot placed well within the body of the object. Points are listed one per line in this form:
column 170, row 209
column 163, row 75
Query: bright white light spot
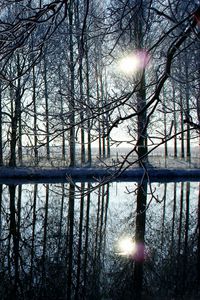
column 129, row 64
column 134, row 62
column 126, row 246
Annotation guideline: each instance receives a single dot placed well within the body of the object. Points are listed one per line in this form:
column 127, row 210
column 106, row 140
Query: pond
column 122, row 240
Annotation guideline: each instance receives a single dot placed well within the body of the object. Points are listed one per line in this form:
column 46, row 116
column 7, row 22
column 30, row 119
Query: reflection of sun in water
column 129, row 64
column 126, row 246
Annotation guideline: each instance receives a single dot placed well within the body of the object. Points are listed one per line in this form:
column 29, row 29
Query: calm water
column 121, row 241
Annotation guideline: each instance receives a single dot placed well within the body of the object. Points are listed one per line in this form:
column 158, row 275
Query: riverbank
column 25, row 174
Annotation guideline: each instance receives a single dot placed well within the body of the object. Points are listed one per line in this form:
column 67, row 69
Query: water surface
column 61, row 241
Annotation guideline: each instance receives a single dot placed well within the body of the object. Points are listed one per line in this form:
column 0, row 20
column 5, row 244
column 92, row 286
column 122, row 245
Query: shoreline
column 27, row 174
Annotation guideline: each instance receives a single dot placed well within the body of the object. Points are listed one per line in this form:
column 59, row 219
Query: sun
column 126, row 246
column 134, row 62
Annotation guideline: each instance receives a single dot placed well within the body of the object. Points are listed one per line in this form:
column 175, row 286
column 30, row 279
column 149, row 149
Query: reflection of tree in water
column 52, row 244
column 171, row 269
column 51, row 240
column 128, row 277
column 140, row 239
column 14, row 236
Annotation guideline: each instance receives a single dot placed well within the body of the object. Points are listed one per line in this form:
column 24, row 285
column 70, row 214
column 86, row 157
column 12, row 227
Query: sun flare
column 126, row 246
column 129, row 64
column 134, row 62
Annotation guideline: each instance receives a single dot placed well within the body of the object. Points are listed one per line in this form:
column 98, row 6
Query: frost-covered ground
column 178, row 163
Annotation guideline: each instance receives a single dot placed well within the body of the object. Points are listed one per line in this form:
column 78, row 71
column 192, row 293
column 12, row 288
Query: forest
column 81, row 79
column 99, row 120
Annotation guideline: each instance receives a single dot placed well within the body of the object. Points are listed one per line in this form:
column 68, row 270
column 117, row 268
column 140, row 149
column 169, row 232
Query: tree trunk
column 182, row 125
column 107, row 129
column 46, row 96
column 89, row 148
column 61, row 223
column 61, row 112
column 163, row 216
column 86, row 242
column 187, row 219
column 70, row 239
column 80, row 56
column 104, row 115
column 140, row 239
column 173, row 220
column 15, row 233
column 35, row 119
column 165, row 122
column 142, row 131
column 175, row 122
column 179, row 250
column 72, row 89
column 141, row 94
column 1, row 126
column 33, row 235
column 187, row 95
column 198, row 242
column 1, row 190
column 80, row 244
column 16, row 115
column 44, row 254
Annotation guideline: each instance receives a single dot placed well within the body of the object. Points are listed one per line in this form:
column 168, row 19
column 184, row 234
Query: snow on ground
column 178, row 163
